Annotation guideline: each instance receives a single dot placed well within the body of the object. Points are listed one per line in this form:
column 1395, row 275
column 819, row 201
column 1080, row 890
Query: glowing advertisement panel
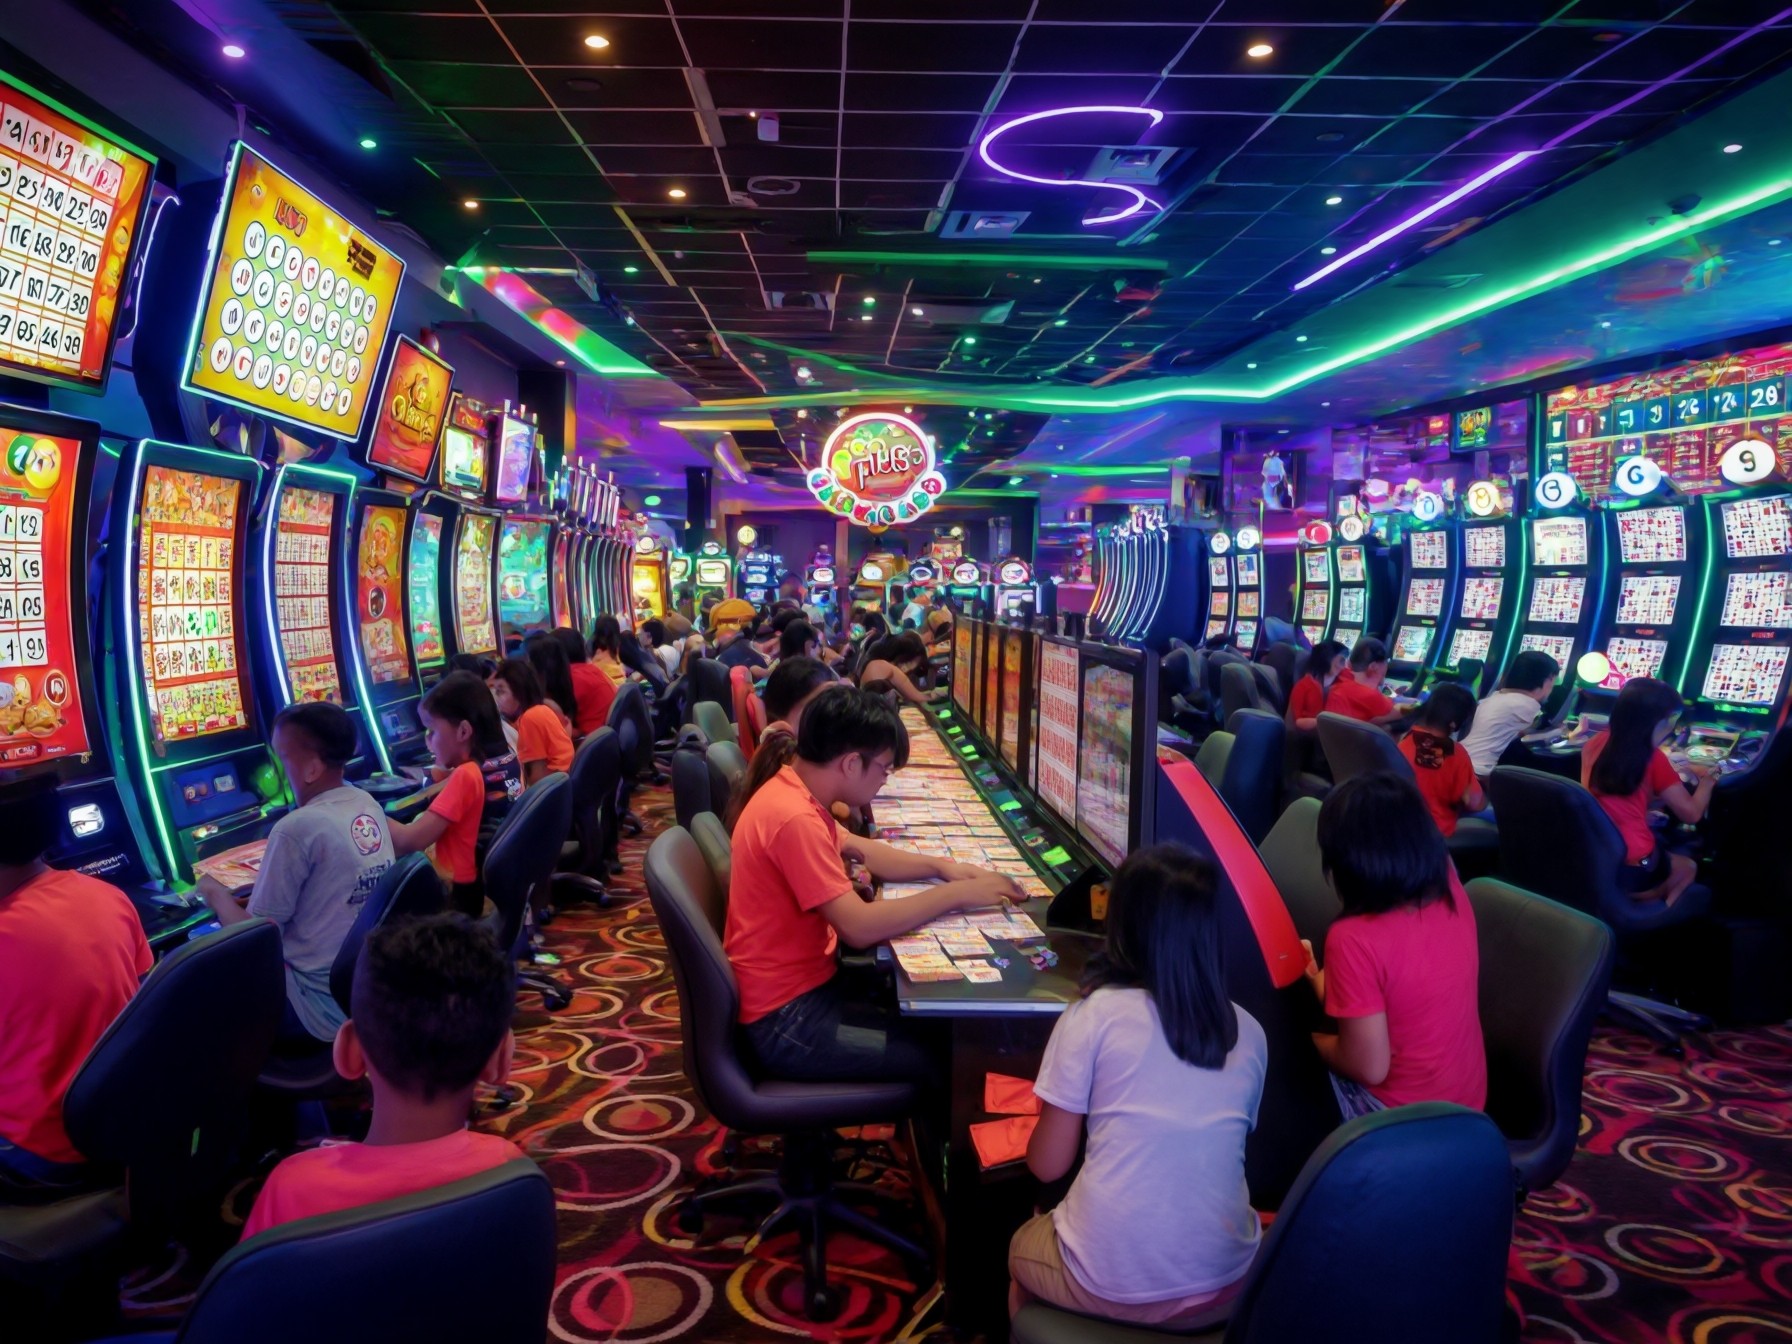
column 302, row 593
column 523, row 573
column 379, row 593
column 425, row 588
column 412, row 406
column 1057, row 783
column 473, row 584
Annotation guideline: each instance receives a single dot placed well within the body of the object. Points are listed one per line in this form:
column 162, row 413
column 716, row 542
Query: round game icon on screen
column 276, row 251
column 230, row 316
column 255, row 237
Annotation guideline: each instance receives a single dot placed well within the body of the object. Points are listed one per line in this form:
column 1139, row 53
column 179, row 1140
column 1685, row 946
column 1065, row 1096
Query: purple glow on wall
column 1140, row 199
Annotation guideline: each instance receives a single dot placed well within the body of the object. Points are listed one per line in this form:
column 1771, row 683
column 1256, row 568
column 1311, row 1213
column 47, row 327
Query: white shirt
column 1160, row 1209
column 1499, row 718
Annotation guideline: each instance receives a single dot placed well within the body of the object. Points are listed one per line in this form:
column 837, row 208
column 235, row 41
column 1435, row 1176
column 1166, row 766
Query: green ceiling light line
column 1050, row 261
column 578, row 340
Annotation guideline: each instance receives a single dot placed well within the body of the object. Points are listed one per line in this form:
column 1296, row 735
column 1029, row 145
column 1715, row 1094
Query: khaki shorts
column 1036, row 1264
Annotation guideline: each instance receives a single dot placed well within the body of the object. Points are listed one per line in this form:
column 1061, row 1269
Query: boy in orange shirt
column 429, row 1020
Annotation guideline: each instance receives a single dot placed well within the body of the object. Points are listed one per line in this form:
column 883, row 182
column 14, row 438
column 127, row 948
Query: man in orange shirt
column 429, row 1020
column 1357, row 694
column 71, row 953
column 791, row 901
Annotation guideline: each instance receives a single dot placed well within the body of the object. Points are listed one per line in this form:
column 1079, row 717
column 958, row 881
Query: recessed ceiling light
column 1732, row 149
column 1258, row 50
column 469, row 204
column 676, row 193
column 870, row 301
column 652, row 501
column 1334, row 200
column 753, row 116
column 1060, row 447
column 1061, row 322
column 802, row 412
column 1325, row 403
column 802, row 371
column 864, row 317
column 1327, row 251
column 631, row 270
column 1251, row 365
column 1036, row 279
column 970, row 340
column 368, row 142
column 1603, row 325
column 1301, row 339
column 597, row 41
column 915, row 311
column 908, row 410
column 559, row 363
column 233, row 51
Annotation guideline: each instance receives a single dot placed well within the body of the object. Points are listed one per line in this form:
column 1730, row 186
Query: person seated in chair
column 593, row 690
column 323, row 860
column 1511, row 710
column 1357, row 693
column 429, row 1021
column 1306, row 698
column 71, row 953
column 1440, row 767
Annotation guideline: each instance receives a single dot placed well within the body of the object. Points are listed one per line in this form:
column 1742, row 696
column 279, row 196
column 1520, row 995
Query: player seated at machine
column 1357, row 693
column 1511, row 710
column 891, row 666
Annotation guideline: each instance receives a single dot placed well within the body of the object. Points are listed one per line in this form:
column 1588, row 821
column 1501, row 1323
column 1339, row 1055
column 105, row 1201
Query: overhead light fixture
column 631, row 270
column 1251, row 365
column 1325, row 403
column 753, row 116
column 802, row 371
column 1061, row 322
column 1016, row 480
column 368, row 142
column 915, row 311
column 1327, row 251
column 1604, row 325
column 970, row 340
column 1300, row 340
column 1258, row 50
column 676, row 193
column 233, row 51
column 1334, row 200
column 597, row 41
column 559, row 363
column 802, row 412
column 1732, row 149
column 469, row 204
column 908, row 410
column 870, row 301
column 1139, row 199
column 652, row 501
column 1775, row 242
column 864, row 317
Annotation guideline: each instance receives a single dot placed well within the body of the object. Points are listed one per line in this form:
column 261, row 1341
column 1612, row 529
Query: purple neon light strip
column 1498, row 169
column 1140, row 199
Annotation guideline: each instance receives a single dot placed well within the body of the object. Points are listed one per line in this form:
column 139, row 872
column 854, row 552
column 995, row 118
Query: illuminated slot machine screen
column 989, row 708
column 43, row 717
column 1352, row 605
column 1557, row 600
column 1633, row 658
column 1481, row 599
column 1425, row 597
column 1746, row 674
column 1216, row 626
column 562, row 593
column 408, row 418
column 1430, row 550
column 1315, row 606
column 424, row 576
column 1652, row 536
column 1559, row 541
column 523, row 573
column 1055, row 776
column 1476, row 644
column 961, row 666
column 1248, row 569
column 1758, row 601
column 1105, row 760
column 516, row 454
column 1219, row 571
column 712, row 573
column 379, row 594
column 1350, row 564
column 1250, row 602
column 1219, row 603
column 1014, row 661
column 473, row 584
column 1757, row 528
column 1348, row 636
column 463, row 460
column 188, row 607
column 1316, row 566
column 1484, row 547
column 302, row 585
column 1412, row 643
column 1246, row 630
column 1648, row 599
column 1559, row 647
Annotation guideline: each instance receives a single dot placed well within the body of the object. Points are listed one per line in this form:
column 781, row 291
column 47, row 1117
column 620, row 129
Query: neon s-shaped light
column 1139, row 199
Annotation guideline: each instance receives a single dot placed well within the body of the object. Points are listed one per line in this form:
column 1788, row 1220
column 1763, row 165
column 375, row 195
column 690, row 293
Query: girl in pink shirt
column 1402, row 965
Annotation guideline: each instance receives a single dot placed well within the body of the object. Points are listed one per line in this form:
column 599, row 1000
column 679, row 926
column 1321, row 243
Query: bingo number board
column 71, row 205
column 302, row 593
column 295, row 310
column 40, row 712
column 186, row 603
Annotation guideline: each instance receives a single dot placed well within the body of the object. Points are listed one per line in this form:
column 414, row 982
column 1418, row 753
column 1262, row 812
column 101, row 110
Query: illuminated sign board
column 409, row 417
column 877, row 469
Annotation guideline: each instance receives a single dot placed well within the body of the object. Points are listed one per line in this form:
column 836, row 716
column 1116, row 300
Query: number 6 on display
column 1637, row 476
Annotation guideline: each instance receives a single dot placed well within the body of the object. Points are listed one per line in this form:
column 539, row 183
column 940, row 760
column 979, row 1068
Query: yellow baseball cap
column 734, row 611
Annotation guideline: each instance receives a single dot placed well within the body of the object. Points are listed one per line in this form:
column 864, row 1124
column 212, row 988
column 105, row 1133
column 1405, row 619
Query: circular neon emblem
column 1557, row 489
column 1248, row 538
column 1352, row 528
column 877, row 469
column 1219, row 543
column 1483, row 499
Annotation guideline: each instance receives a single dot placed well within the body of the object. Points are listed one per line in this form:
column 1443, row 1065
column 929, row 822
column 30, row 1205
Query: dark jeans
column 829, row 1033
column 26, row 1178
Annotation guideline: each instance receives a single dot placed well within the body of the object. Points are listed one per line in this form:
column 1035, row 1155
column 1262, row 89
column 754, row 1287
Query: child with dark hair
column 430, row 1020
column 1164, row 1073
column 592, row 690
column 892, row 664
column 543, row 746
column 606, row 648
column 71, row 953
column 1357, row 693
column 793, row 683
column 462, row 732
column 470, row 662
column 1626, row 770
column 555, row 670
column 323, row 860
column 1511, row 710
column 1442, row 769
column 1402, row 966
column 1306, row 698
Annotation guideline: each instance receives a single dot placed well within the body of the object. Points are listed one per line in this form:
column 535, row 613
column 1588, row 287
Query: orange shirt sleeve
column 532, row 742
column 807, row 852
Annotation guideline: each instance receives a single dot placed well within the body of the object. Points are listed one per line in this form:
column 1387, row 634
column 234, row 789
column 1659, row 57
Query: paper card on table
column 1004, row 1094
column 1022, row 927
column 914, row 945
column 969, row 943
column 981, row 972
column 1004, row 1140
column 945, row 924
column 896, row 891
column 934, row 974
column 925, row 961
column 989, row 922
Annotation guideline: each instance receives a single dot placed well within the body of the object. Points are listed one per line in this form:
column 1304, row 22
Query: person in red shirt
column 1443, row 771
column 542, row 744
column 593, row 692
column 71, row 953
column 1306, row 698
column 1626, row 770
column 790, row 900
column 429, row 1019
column 1357, row 694
column 1402, row 963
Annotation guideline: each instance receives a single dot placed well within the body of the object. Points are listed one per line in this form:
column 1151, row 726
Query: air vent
column 983, row 223
column 1143, row 164
column 799, row 298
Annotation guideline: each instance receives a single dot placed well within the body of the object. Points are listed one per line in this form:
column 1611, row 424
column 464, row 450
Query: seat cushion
column 37, row 1239
column 1037, row 1323
column 1475, row 833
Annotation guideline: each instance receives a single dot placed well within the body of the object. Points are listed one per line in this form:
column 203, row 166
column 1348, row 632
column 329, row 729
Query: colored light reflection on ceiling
column 1139, row 199
column 578, row 340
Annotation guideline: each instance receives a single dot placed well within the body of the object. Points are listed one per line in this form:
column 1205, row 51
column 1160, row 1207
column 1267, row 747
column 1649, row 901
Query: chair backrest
column 727, row 771
column 1285, row 660
column 1545, row 970
column 374, row 912
column 633, row 722
column 1217, row 661
column 1238, row 690
column 1211, row 757
column 1291, row 853
column 595, row 776
column 1175, row 676
column 709, row 682
column 1270, row 686
column 691, row 791
column 713, row 721
column 525, row 851
column 1356, row 748
column 1397, row 1229
column 1252, row 781
column 718, row 851
column 165, row 1091
column 1557, row 841
column 741, row 697
column 473, row 1259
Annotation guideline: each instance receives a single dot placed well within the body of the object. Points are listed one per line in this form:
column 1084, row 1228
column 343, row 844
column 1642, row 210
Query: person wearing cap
column 729, row 625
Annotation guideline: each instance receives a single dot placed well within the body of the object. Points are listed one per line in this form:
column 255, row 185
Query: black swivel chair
column 691, row 792
column 633, row 723
column 1244, row 765
column 1397, row 1230
column 1175, row 684
column 691, row 908
column 1545, row 971
column 163, row 1098
column 1357, row 748
column 708, row 682
column 521, row 857
column 718, row 851
column 1241, row 689
column 1291, row 853
column 727, row 772
column 470, row 1260
column 595, row 776
column 1557, row 841
column 1285, row 661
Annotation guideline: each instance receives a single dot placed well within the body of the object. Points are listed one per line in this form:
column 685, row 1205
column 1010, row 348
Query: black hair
column 1529, row 671
column 1623, row 762
column 876, row 627
column 655, row 630
column 606, row 635
column 784, row 617
column 472, row 662
column 431, row 1001
column 795, row 638
column 461, row 697
column 1367, row 653
column 791, row 680
column 525, row 685
column 1449, row 709
column 1380, row 847
column 568, row 639
column 844, row 719
column 1164, row 938
column 899, row 649
column 30, row 819
column 1319, row 661
column 552, row 666
column 326, row 726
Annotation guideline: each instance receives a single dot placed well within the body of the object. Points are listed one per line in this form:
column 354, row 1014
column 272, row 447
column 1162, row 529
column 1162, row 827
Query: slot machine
column 965, row 589
column 870, row 587
column 1431, row 578
column 1221, row 587
column 1564, row 548
column 454, row 540
column 1016, row 593
column 648, row 578
column 1361, row 582
column 400, row 632
column 712, row 574
column 1313, row 595
column 821, row 585
column 524, row 580
column 758, row 568
column 471, row 582
column 1486, row 612
column 1247, row 589
column 561, row 568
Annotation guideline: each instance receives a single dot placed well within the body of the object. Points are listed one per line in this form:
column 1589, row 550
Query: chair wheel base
column 823, row 1303
column 690, row 1218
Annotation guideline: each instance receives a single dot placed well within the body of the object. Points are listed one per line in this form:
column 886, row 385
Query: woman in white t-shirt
column 1165, row 1072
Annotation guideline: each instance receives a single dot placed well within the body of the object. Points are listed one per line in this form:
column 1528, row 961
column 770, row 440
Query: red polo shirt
column 1354, row 700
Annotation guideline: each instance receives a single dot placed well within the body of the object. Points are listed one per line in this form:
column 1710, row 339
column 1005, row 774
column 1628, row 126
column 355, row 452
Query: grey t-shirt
column 323, row 861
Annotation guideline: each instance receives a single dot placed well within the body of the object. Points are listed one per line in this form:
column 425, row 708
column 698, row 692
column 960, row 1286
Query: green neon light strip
column 578, row 340
column 1039, row 261
column 1713, row 522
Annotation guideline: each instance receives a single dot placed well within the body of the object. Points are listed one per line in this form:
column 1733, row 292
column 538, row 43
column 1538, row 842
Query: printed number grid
column 24, row 641
column 302, row 604
column 192, row 631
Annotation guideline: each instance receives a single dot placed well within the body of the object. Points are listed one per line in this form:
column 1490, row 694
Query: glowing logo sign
column 877, row 469
column 1219, row 543
column 1483, row 499
column 1353, row 527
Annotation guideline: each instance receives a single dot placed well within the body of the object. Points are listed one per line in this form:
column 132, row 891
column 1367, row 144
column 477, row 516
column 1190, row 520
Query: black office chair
column 1285, row 661
column 708, row 684
column 470, row 1260
column 1557, row 841
column 714, row 722
column 1291, row 853
column 595, row 776
column 1357, row 748
column 1270, row 686
column 1244, row 764
column 1175, row 684
column 718, row 850
column 691, row 907
column 1545, row 971
column 1218, row 660
column 727, row 772
column 630, row 718
column 521, row 857
column 691, row 792
column 162, row 1097
column 1240, row 689
column 1397, row 1230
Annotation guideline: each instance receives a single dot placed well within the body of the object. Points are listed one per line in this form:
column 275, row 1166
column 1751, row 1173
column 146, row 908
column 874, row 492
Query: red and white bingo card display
column 1058, row 727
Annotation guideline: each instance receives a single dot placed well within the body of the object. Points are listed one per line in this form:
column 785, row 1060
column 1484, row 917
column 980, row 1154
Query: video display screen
column 516, row 454
column 187, row 603
column 1347, row 636
column 1350, row 564
column 1412, row 643
column 1216, row 626
column 1219, row 571
column 1746, row 674
column 1558, row 600
column 1058, row 728
column 1559, row 541
column 1481, row 599
column 1652, row 536
column 713, row 573
column 1758, row 601
column 1104, row 769
column 473, row 584
column 1246, row 630
column 1314, row 633
column 1352, row 604
column 302, row 593
column 990, row 706
column 961, row 666
column 1013, row 669
column 1757, row 527
column 1633, row 658
column 1476, row 644
column 1250, row 602
column 379, row 593
column 523, row 573
column 407, row 422
column 1430, row 550
column 1559, row 647
column 463, row 462
column 425, row 587
column 1315, row 605
column 1219, row 602
column 1424, row 597
column 1248, row 573
column 1648, row 599
column 1484, row 547
column 1316, row 565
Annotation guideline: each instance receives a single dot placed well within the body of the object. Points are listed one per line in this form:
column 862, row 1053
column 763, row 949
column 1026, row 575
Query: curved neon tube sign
column 1139, row 199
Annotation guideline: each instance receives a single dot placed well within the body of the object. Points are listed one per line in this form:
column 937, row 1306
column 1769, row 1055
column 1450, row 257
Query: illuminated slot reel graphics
column 1481, row 599
column 1744, row 674
column 1430, row 550
column 1756, row 600
column 1412, row 643
column 1352, row 604
column 1559, row 647
column 1484, row 547
column 1557, row 600
column 1476, row 644
column 1648, row 599
column 1633, row 658
column 302, row 604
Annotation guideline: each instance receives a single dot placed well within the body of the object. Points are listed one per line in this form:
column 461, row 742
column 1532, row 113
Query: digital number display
column 1648, row 599
column 1430, row 550
column 1557, row 600
column 1350, row 564
column 1755, row 528
column 379, row 593
column 302, row 593
column 1424, row 597
column 1746, row 674
column 1475, row 644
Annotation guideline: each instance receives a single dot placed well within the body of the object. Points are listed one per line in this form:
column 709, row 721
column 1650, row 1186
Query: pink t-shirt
column 1422, row 968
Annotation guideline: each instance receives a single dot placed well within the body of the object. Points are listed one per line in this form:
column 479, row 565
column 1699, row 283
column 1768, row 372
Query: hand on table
column 983, row 888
